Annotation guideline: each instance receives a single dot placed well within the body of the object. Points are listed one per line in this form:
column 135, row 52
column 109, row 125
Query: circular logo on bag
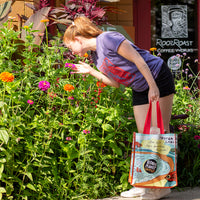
column 150, row 166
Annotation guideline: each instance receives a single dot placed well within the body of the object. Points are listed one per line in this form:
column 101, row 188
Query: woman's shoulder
column 110, row 39
column 110, row 34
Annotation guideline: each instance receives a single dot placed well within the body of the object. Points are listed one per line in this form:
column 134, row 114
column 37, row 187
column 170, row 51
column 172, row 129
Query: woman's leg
column 140, row 112
column 166, row 110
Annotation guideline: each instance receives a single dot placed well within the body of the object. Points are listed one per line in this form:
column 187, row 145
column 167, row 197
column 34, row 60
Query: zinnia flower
column 197, row 137
column 85, row 55
column 68, row 138
column 100, row 84
column 186, row 88
column 6, row 77
column 44, row 85
column 86, row 131
column 51, row 94
column 71, row 98
column 40, row 34
column 70, row 65
column 44, row 20
column 68, row 87
column 30, row 102
column 153, row 49
column 184, row 54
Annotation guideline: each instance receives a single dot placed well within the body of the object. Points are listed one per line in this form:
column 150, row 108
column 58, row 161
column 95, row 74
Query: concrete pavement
column 181, row 194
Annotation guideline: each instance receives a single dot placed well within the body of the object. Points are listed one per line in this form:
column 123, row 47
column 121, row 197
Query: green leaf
column 107, row 127
column 30, row 186
column 116, row 149
column 1, row 169
column 29, row 175
column 109, row 136
column 2, row 160
column 4, row 136
column 3, row 107
column 2, row 190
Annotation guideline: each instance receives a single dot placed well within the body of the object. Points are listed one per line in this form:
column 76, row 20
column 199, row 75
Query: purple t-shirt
column 109, row 62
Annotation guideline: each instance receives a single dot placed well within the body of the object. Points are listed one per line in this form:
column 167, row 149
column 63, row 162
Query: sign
column 175, row 31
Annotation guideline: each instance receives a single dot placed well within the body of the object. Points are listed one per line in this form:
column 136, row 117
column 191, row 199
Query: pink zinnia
column 71, row 98
column 86, row 131
column 68, row 138
column 186, row 88
column 44, row 85
column 30, row 102
column 70, row 65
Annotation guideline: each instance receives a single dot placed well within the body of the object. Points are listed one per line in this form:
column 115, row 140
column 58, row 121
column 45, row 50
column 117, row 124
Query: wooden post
column 52, row 28
column 198, row 30
column 142, row 23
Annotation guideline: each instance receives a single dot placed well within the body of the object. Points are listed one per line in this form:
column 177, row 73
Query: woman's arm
column 83, row 68
column 128, row 52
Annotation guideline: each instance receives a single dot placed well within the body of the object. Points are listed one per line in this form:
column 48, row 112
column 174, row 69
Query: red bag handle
column 147, row 124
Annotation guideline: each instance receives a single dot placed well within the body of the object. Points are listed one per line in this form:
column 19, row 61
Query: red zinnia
column 101, row 84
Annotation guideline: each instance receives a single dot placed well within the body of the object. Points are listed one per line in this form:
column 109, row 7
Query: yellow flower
column 153, row 49
column 44, row 20
column 26, row 27
column 68, row 87
column 6, row 77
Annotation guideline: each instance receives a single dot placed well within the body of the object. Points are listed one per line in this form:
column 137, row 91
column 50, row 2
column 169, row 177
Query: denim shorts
column 165, row 84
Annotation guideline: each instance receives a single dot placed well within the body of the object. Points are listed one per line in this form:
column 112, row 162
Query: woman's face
column 76, row 47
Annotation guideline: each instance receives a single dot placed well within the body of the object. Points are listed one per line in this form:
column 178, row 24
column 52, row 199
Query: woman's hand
column 82, row 68
column 154, row 94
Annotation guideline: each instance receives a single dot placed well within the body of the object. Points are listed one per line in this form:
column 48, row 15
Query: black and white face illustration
column 174, row 21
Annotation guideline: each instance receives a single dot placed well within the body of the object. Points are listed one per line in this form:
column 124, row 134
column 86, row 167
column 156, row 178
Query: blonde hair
column 82, row 26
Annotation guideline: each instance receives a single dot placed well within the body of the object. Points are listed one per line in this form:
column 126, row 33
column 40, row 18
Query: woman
column 119, row 61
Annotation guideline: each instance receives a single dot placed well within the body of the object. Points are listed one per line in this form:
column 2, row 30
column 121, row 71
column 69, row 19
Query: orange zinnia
column 153, row 49
column 44, row 20
column 100, row 84
column 6, row 77
column 68, row 87
column 85, row 55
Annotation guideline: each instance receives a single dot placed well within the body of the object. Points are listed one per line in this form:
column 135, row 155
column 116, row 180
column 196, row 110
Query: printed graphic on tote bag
column 155, row 160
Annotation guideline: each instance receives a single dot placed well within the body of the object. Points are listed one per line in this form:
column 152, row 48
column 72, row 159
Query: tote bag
column 153, row 158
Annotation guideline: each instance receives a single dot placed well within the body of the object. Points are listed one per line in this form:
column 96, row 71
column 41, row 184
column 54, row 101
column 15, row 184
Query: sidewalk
column 183, row 194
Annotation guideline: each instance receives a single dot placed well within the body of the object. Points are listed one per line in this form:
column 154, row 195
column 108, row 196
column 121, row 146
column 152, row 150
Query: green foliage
column 45, row 152
column 185, row 120
column 61, row 147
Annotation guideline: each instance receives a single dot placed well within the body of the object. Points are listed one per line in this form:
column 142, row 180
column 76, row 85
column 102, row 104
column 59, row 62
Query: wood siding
column 124, row 18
